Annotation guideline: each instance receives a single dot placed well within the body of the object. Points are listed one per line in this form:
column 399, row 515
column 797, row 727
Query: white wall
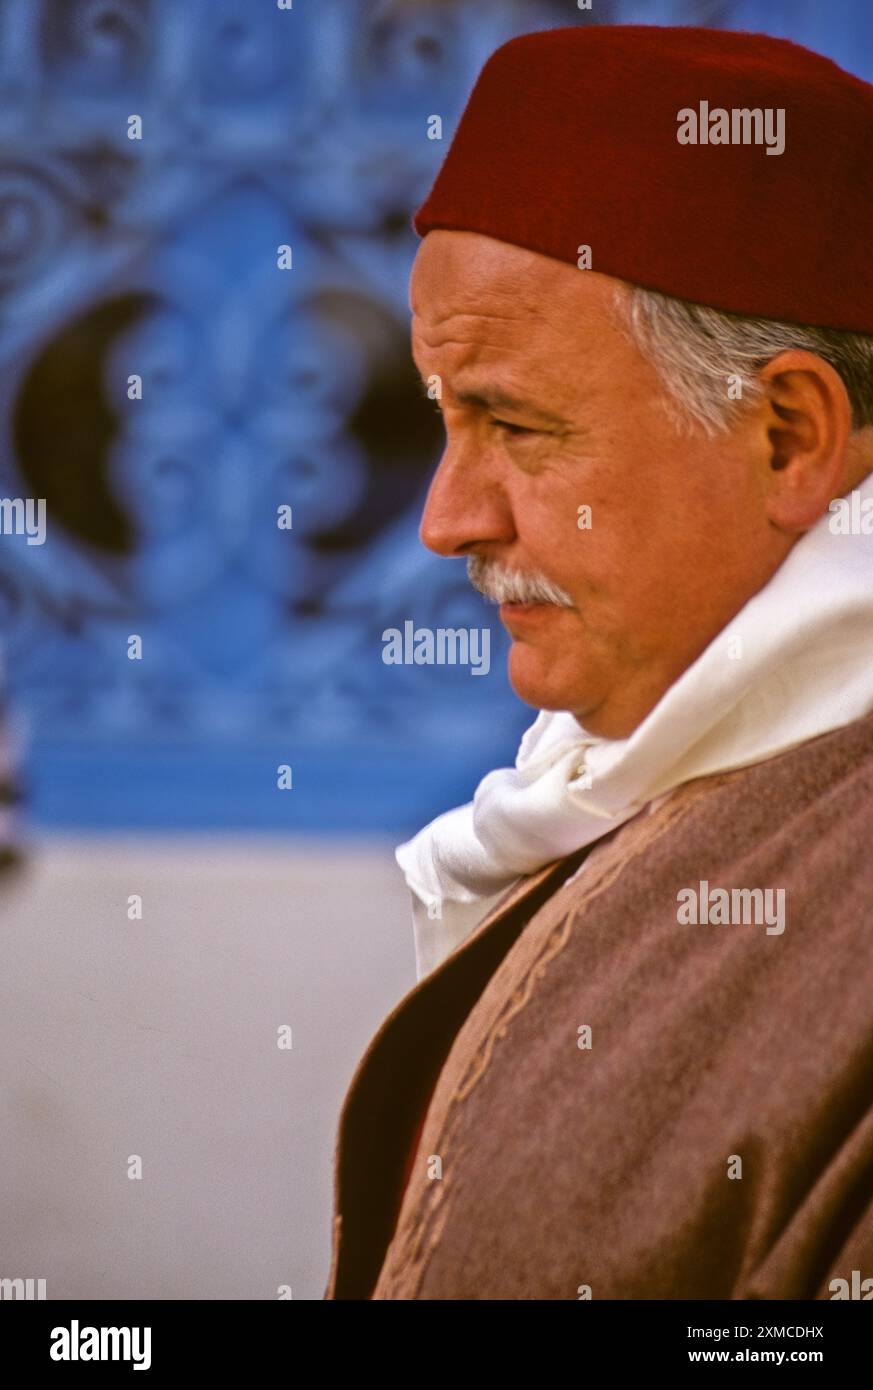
column 158, row 1038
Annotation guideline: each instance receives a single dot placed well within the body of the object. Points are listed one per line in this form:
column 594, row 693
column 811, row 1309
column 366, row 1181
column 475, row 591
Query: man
column 639, row 1063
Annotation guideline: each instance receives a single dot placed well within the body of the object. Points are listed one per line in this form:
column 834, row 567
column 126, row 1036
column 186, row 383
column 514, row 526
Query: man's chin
column 537, row 683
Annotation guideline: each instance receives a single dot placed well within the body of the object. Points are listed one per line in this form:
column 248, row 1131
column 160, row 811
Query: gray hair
column 695, row 349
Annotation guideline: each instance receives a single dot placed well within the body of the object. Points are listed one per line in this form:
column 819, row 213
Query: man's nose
column 465, row 507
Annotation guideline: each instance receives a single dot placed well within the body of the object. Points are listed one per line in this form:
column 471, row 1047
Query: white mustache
column 510, row 586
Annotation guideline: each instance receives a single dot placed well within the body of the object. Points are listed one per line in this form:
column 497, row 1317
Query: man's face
column 549, row 407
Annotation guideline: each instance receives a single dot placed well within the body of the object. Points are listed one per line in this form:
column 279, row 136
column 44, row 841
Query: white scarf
column 794, row 662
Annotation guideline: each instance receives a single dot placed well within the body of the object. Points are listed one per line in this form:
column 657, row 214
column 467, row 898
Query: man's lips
column 521, row 611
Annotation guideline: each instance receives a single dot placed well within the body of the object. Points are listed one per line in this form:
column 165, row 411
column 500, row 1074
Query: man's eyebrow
column 490, row 396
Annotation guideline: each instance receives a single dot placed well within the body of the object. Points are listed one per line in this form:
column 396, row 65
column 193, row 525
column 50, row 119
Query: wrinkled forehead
column 463, row 272
column 464, row 285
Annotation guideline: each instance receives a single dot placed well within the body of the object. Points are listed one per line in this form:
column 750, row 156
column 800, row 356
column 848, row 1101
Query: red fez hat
column 664, row 151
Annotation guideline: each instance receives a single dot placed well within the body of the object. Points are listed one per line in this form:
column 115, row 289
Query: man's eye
column 510, row 428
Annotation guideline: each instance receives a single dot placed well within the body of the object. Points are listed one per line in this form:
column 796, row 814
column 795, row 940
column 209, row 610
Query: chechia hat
column 730, row 169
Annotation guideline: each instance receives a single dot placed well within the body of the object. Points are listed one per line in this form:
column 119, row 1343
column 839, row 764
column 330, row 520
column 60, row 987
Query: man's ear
column 808, row 419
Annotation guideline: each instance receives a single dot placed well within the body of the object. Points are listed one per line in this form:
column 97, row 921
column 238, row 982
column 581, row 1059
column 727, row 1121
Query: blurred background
column 165, row 387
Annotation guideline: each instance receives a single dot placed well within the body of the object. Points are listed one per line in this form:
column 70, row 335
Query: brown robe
column 715, row 1140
